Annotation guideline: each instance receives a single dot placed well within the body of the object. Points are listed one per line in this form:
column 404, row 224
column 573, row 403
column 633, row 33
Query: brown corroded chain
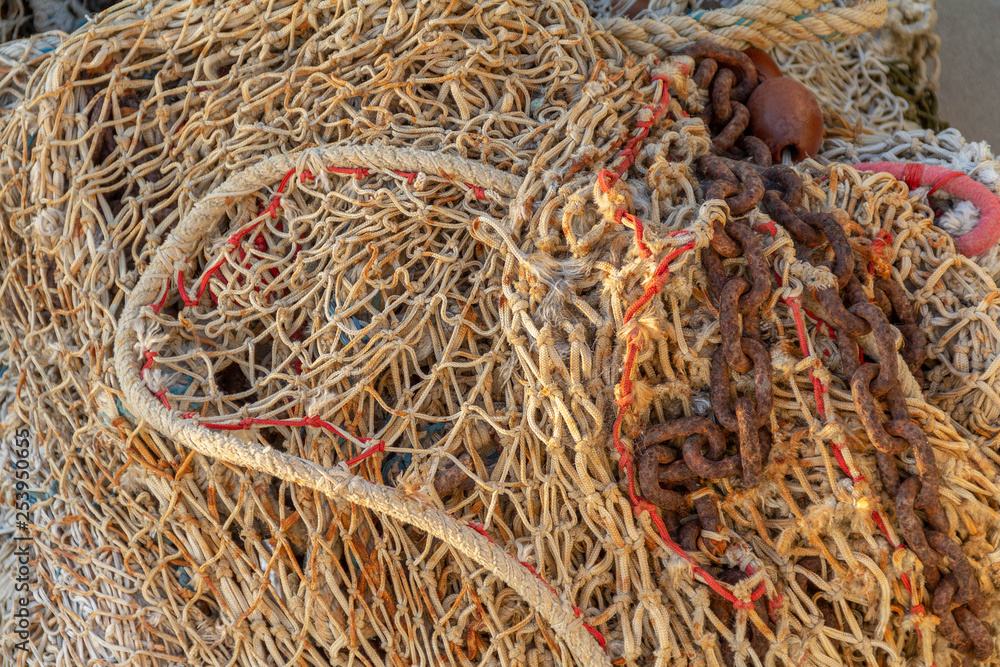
column 914, row 341
column 661, row 472
column 858, row 303
column 740, row 350
column 957, row 599
column 735, row 182
column 665, row 476
column 729, row 76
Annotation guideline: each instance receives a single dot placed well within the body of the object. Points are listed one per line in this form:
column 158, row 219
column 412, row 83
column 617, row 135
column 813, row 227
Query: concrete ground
column 969, row 98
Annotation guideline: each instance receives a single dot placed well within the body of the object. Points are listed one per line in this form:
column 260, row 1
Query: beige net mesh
column 334, row 334
column 18, row 61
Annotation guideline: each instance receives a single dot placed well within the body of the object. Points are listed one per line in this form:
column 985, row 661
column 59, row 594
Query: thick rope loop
column 337, row 483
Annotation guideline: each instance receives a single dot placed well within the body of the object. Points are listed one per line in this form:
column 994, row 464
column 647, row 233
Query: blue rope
column 36, row 497
column 182, row 385
column 358, row 324
column 183, row 579
column 123, row 412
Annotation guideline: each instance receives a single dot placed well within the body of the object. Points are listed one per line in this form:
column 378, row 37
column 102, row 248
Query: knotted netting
column 336, row 328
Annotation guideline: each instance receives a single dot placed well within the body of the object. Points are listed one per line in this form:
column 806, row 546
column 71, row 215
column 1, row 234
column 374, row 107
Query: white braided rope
column 337, row 483
column 760, row 23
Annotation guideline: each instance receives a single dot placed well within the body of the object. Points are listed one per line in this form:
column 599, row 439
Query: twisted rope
column 760, row 23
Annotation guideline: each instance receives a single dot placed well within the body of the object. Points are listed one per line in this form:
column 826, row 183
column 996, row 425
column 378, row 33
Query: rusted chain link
column 660, row 471
column 740, row 350
column 737, row 183
column 729, row 76
column 870, row 302
column 915, row 342
column 861, row 302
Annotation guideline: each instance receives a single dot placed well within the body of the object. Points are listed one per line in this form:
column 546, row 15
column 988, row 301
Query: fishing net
column 341, row 334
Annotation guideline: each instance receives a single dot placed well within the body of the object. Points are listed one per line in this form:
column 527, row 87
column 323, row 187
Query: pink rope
column 986, row 233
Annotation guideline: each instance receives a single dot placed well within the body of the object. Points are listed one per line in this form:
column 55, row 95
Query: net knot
column 642, row 506
column 832, row 432
column 625, row 400
column 814, row 277
column 650, row 596
column 377, row 447
column 220, row 569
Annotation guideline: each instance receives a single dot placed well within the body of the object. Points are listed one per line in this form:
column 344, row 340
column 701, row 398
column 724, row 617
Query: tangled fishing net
column 368, row 333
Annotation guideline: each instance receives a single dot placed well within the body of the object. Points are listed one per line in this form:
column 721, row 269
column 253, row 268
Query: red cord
column 163, row 299
column 943, row 181
column 358, row 173
column 150, row 355
column 819, row 389
column 380, row 447
column 912, row 174
column 606, row 179
column 410, row 176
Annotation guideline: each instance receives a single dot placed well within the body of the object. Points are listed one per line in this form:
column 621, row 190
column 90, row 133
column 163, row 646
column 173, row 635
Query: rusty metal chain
column 870, row 301
column 737, row 183
column 729, row 76
column 739, row 302
column 670, row 479
column 859, row 303
column 914, row 340
column 661, row 470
